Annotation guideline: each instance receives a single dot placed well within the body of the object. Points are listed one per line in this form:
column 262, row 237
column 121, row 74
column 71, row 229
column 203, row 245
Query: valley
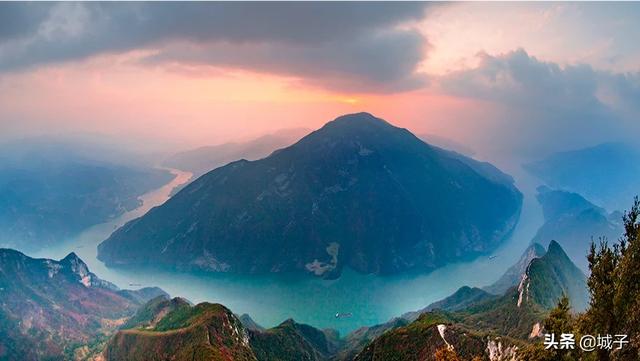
column 491, row 304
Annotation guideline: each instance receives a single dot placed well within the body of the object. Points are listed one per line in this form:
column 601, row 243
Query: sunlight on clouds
column 113, row 94
column 560, row 32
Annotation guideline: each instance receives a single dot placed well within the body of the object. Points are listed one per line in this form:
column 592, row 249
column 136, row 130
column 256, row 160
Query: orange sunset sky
column 516, row 77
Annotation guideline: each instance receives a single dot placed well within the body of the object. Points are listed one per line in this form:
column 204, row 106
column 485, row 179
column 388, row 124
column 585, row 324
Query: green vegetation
column 291, row 341
column 614, row 284
column 559, row 321
column 185, row 315
column 183, row 332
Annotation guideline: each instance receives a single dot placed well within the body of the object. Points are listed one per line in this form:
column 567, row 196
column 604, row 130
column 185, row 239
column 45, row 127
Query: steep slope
column 607, row 174
column 359, row 192
column 574, row 222
column 57, row 309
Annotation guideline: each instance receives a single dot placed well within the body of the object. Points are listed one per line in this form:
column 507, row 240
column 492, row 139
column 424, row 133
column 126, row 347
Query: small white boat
column 343, row 315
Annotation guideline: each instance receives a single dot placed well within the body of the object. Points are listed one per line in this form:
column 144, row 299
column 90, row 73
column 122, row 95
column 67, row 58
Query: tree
column 614, row 286
column 627, row 296
column 535, row 352
column 601, row 318
column 559, row 321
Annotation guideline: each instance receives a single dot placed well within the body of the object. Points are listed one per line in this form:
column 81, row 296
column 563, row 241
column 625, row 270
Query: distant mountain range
column 55, row 310
column 204, row 159
column 574, row 222
column 49, row 192
column 446, row 143
column 607, row 174
column 358, row 192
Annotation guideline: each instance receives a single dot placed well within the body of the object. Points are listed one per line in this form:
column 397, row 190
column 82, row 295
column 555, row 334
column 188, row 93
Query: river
column 271, row 299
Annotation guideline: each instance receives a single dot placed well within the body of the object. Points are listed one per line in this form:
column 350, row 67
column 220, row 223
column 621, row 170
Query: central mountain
column 359, row 192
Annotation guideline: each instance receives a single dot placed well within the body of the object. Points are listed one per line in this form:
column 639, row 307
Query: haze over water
column 271, row 299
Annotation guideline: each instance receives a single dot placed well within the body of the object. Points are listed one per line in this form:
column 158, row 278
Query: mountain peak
column 72, row 257
column 551, row 276
column 77, row 264
column 302, row 202
column 554, row 247
column 554, row 250
column 358, row 121
column 358, row 117
column 80, row 270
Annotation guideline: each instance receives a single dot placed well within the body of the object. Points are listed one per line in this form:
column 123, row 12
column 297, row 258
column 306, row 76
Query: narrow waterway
column 270, row 299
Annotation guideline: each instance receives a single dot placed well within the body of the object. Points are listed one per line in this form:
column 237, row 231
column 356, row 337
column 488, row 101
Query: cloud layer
column 545, row 106
column 340, row 45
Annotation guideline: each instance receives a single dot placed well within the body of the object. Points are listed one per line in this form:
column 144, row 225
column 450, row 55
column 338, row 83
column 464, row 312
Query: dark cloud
column 382, row 61
column 546, row 107
column 357, row 43
column 19, row 19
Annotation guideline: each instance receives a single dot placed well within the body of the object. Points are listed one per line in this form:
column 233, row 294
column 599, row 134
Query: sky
column 518, row 78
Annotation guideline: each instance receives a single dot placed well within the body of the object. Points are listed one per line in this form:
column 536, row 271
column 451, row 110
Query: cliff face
column 359, row 192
